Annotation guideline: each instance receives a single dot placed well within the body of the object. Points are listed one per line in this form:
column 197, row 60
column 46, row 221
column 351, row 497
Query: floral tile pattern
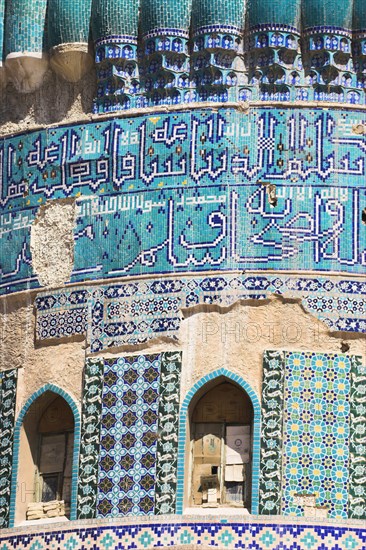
column 8, row 389
column 167, row 444
column 357, row 450
column 271, row 435
column 90, row 436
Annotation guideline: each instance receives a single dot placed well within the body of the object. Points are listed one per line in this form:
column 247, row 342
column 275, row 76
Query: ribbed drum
column 328, row 33
column 115, row 28
column 217, row 59
column 165, row 29
column 25, row 43
column 274, row 44
column 68, row 32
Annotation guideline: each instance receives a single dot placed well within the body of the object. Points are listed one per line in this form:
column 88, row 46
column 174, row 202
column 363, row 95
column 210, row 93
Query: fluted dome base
column 71, row 61
column 26, row 70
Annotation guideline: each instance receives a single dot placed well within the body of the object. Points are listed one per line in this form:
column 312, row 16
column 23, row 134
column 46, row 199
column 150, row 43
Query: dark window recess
column 50, row 488
column 234, row 491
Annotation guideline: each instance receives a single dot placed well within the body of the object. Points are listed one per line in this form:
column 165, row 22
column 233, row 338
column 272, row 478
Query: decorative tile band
column 226, row 534
column 271, row 435
column 135, row 312
column 187, row 191
column 316, row 432
column 8, row 389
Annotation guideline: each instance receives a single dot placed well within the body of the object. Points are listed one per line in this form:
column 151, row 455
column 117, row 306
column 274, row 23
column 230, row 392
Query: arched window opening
column 45, row 460
column 221, row 428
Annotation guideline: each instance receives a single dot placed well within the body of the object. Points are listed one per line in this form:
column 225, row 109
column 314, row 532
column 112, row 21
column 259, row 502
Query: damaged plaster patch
column 52, row 242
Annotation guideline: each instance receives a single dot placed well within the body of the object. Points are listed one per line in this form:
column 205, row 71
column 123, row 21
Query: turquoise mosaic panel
column 127, row 460
column 90, row 438
column 68, row 21
column 316, row 431
column 8, row 388
column 183, row 192
column 168, row 425
column 271, row 434
column 357, row 450
column 25, row 25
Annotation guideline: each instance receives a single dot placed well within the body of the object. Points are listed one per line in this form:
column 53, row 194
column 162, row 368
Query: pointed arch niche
column 46, row 443
column 219, row 444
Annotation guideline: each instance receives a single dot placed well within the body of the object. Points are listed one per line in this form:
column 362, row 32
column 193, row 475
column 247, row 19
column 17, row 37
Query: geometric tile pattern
column 357, row 439
column 168, row 424
column 180, row 192
column 316, row 431
column 271, row 434
column 127, row 462
column 129, row 442
column 8, row 388
column 132, row 313
column 62, row 313
column 90, row 438
column 206, row 534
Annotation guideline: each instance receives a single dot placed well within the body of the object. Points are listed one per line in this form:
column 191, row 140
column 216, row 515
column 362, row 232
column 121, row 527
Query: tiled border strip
column 183, row 431
column 75, row 460
column 210, row 532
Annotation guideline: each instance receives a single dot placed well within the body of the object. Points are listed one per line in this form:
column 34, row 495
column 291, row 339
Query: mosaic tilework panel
column 135, row 312
column 313, row 434
column 227, row 534
column 180, row 192
column 357, row 450
column 168, row 424
column 127, row 461
column 90, row 438
column 271, row 436
column 316, row 431
column 8, row 388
